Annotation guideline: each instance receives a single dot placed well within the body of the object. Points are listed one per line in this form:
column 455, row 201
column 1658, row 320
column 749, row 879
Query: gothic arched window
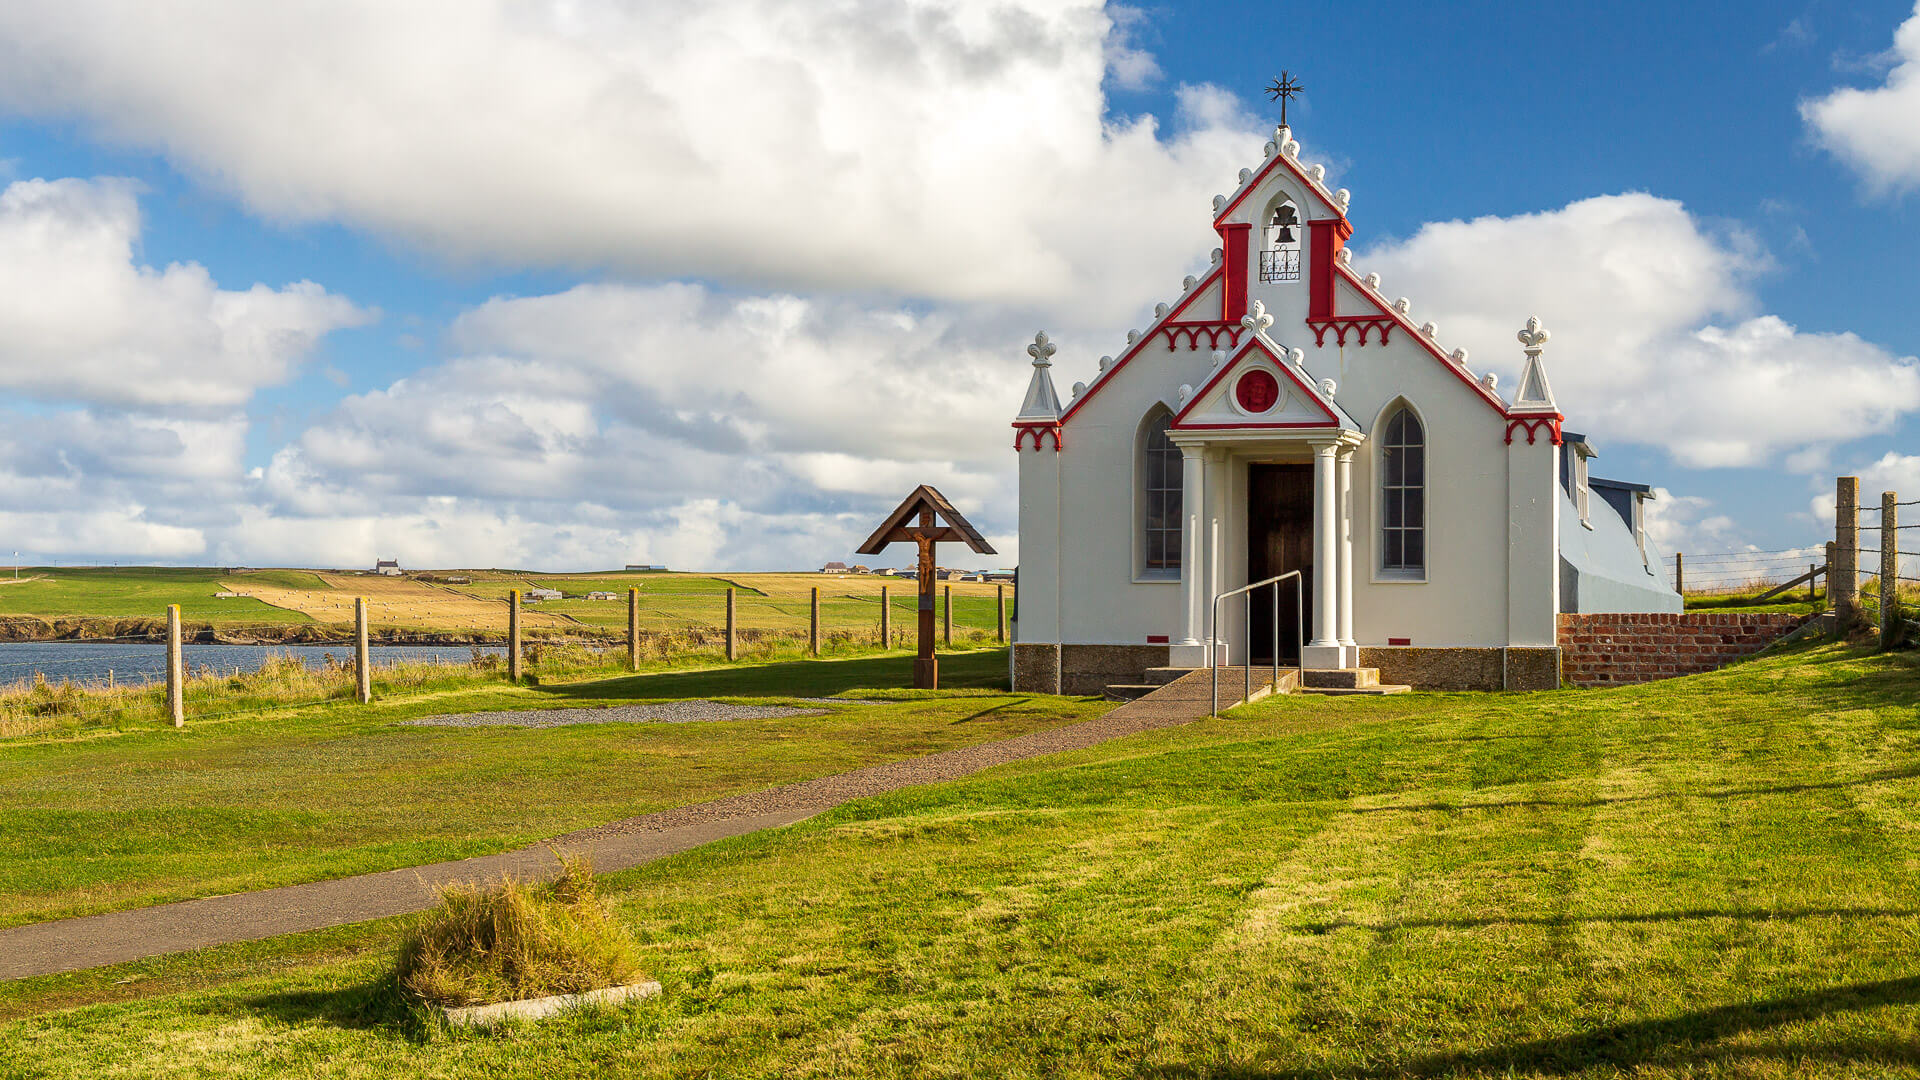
column 1280, row 254
column 1160, row 498
column 1403, row 491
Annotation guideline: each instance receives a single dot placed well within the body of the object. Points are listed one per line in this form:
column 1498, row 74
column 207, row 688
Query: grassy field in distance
column 425, row 601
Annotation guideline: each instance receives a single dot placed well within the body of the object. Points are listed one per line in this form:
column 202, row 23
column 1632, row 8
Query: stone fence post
column 1843, row 574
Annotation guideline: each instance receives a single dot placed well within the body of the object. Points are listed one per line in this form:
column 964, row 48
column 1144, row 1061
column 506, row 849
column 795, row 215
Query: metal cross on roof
column 1282, row 90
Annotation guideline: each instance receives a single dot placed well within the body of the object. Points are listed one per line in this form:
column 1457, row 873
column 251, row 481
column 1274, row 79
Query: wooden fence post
column 633, row 629
column 176, row 670
column 1000, row 612
column 813, row 624
column 513, row 635
column 946, row 617
column 731, row 651
column 1680, row 573
column 362, row 658
column 886, row 618
column 1889, row 569
column 1843, row 573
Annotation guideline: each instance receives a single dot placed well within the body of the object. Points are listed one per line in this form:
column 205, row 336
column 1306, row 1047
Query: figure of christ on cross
column 926, row 508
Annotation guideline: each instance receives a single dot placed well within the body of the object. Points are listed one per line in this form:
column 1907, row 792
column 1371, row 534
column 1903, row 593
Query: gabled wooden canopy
column 903, row 525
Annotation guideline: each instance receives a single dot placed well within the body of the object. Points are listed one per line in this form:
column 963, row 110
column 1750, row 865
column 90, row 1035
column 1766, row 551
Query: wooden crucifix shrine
column 925, row 519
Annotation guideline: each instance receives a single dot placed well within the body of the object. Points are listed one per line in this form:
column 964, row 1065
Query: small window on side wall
column 1403, row 501
column 1160, row 502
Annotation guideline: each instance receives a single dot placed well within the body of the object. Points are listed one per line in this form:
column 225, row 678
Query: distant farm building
column 387, row 567
column 834, row 568
column 543, row 594
column 600, row 594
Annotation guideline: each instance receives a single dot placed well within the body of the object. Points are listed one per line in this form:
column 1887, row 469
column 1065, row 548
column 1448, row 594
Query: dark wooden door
column 1279, row 539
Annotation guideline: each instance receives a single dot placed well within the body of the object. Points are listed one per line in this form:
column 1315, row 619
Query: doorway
column 1279, row 539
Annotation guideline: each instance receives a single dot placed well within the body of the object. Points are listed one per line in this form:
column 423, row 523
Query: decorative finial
column 1403, row 305
column 1256, row 319
column 1371, row 281
column 1430, row 329
column 1318, row 172
column 1219, row 203
column 1216, row 256
column 1298, row 356
column 1042, row 350
column 1534, row 336
column 1079, row 388
column 1160, row 311
column 1328, row 386
column 1105, row 363
column 1246, row 175
column 1343, row 198
column 1133, row 336
column 1282, row 90
column 1186, row 391
column 1187, row 283
column 1460, row 357
column 1219, row 357
column 1344, row 256
column 1490, row 381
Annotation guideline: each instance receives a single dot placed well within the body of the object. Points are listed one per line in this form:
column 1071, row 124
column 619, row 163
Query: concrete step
column 1129, row 691
column 1164, row 676
column 1376, row 690
column 1340, row 678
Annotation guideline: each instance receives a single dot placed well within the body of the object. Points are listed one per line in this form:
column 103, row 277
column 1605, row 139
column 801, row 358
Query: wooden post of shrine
column 918, row 521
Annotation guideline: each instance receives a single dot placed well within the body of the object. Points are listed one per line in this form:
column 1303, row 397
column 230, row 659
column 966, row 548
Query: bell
column 1286, row 235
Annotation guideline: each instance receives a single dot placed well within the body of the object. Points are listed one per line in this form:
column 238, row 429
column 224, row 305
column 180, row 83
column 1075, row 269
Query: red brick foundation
column 1613, row 650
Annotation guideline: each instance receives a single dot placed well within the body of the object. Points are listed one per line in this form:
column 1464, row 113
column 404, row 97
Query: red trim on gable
column 1414, row 333
column 1253, row 344
column 1200, row 287
column 1173, row 330
column 1233, row 240
column 1260, row 177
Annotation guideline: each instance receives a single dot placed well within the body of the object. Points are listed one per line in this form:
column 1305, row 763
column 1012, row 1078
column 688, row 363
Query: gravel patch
column 696, row 711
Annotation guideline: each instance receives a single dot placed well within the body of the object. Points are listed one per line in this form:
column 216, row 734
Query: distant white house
column 543, row 594
column 387, row 567
column 600, row 594
column 834, row 568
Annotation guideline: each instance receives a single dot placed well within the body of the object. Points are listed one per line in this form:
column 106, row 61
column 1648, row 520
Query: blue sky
column 607, row 282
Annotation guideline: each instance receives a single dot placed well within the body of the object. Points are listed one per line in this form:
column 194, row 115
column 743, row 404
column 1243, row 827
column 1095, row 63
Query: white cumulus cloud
column 1876, row 130
column 1656, row 335
column 82, row 320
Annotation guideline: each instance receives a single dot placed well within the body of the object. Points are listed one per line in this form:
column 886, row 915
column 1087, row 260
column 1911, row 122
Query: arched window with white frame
column 1403, row 495
column 1161, row 496
column 1280, row 249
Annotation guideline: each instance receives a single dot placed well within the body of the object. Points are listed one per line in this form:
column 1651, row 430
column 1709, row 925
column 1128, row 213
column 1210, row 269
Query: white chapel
column 1284, row 418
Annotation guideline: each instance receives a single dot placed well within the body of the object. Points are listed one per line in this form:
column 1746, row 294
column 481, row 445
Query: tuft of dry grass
column 516, row 940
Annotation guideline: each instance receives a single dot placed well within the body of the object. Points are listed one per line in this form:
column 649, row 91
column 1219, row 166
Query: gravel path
column 695, row 711
column 95, row 940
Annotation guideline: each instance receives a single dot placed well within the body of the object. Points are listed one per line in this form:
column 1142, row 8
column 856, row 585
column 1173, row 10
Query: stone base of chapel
column 1089, row 669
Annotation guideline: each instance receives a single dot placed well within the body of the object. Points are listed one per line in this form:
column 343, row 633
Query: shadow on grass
column 1755, row 915
column 356, row 1008
column 1879, row 777
column 986, row 669
column 1676, row 1040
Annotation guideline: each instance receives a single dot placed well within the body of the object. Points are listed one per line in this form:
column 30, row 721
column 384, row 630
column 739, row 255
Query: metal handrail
column 1213, row 630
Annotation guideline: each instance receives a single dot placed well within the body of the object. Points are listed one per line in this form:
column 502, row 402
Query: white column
column 1344, row 622
column 1324, row 650
column 1189, row 650
column 1219, row 520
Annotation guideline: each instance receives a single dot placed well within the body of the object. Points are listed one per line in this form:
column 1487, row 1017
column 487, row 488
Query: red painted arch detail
column 1193, row 331
column 1341, row 324
column 1039, row 432
column 1532, row 425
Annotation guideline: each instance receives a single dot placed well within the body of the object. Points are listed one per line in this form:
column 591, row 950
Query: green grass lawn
column 1709, row 877
column 143, row 592
column 98, row 820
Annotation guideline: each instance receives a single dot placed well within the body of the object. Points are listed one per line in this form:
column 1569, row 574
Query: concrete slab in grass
column 541, row 1008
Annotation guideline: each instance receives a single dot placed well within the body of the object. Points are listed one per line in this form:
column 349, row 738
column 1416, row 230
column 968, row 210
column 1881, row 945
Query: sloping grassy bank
column 1707, row 877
